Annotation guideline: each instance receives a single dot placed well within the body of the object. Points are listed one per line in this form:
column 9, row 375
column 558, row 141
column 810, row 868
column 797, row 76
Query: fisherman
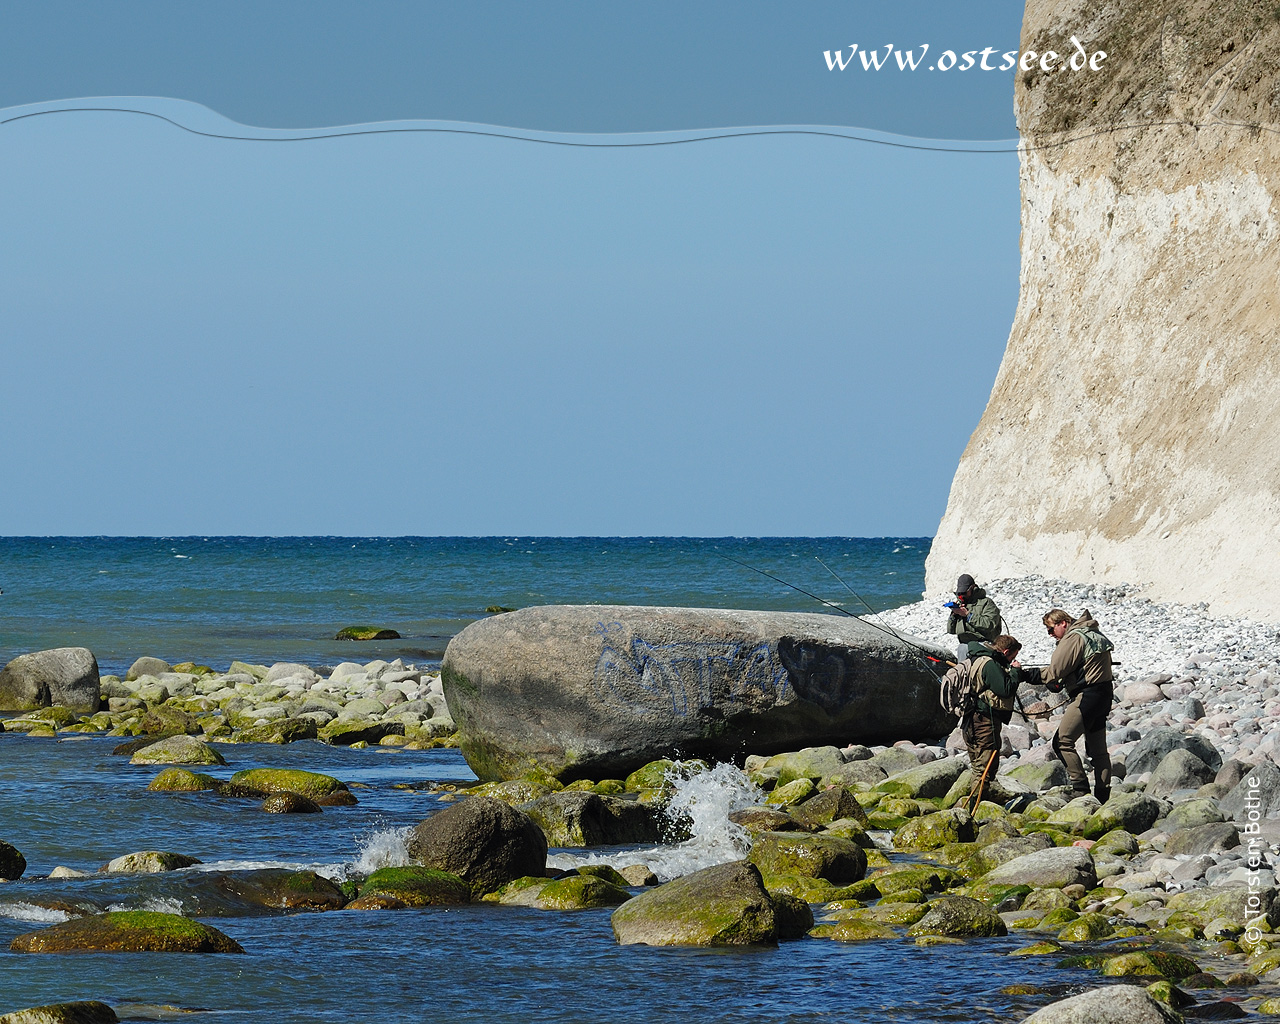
column 996, row 673
column 974, row 616
column 1081, row 665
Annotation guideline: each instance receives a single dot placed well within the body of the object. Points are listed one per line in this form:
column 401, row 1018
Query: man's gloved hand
column 1055, row 686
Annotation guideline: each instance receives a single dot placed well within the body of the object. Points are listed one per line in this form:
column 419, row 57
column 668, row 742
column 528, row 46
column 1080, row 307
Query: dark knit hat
column 964, row 584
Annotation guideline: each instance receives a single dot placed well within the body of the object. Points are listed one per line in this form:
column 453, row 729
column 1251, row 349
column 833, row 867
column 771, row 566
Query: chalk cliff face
column 1133, row 432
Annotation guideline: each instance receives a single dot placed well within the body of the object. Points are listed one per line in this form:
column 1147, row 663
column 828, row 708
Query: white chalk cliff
column 1133, row 431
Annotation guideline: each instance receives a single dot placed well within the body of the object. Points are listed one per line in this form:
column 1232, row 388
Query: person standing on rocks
column 1081, row 665
column 974, row 616
column 995, row 675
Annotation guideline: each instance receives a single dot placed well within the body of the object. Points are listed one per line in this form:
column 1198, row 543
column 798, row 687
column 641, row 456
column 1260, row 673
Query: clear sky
column 441, row 334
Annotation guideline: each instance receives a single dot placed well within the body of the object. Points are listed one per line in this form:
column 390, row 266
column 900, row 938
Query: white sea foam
column 158, row 905
column 248, row 865
column 702, row 802
column 28, row 912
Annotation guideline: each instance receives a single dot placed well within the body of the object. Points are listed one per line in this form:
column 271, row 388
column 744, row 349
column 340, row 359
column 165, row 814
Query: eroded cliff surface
column 1133, row 432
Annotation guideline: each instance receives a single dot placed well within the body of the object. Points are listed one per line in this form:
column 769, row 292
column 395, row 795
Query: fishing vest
column 1095, row 644
column 985, row 695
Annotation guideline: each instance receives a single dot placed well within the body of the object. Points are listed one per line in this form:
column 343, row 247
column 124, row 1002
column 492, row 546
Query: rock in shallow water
column 128, row 931
column 66, row 676
column 725, row 905
column 85, row 1012
column 1115, row 1004
column 596, row 691
column 482, row 841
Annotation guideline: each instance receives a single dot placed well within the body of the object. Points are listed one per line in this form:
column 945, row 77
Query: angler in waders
column 974, row 617
column 1081, row 665
column 996, row 674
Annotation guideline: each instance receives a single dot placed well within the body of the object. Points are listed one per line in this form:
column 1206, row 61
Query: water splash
column 377, row 848
column 700, row 805
column 158, row 905
column 29, row 912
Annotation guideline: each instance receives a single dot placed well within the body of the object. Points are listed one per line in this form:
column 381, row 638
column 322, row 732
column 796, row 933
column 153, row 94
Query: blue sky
column 428, row 334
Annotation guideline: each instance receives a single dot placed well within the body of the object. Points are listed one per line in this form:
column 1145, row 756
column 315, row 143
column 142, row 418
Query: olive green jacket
column 997, row 682
column 983, row 623
column 1082, row 657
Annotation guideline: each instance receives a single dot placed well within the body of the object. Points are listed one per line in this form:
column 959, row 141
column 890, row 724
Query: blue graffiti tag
column 687, row 675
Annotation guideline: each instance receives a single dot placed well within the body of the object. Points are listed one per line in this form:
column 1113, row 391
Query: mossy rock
column 652, row 776
column 792, row 793
column 878, row 859
column 82, row 1012
column 1146, row 963
column 1058, row 918
column 1265, row 963
column 610, row 874
column 323, row 789
column 853, row 930
column 366, row 633
column 781, row 853
column 1047, row 900
column 513, row 792
column 180, row 749
column 127, row 931
column 285, row 889
column 861, row 891
column 519, row 892
column 609, row 787
column 1086, row 928
column 724, row 905
column 192, row 669
column 904, row 896
column 580, row 892
column 1003, row 897
column 1087, row 961
column 352, row 732
column 923, row 877
column 56, row 715
column 281, row 730
column 878, row 819
column 1038, row 949
column 180, row 780
column 900, row 806
column 290, row 803
column 959, row 916
column 935, row 830
column 417, row 886
column 805, row 887
column 1203, row 980
column 1270, row 1006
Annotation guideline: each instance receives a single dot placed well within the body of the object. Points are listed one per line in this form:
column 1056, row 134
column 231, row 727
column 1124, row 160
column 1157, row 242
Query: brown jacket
column 1073, row 663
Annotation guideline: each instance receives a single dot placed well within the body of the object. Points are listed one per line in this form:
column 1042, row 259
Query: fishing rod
column 920, row 653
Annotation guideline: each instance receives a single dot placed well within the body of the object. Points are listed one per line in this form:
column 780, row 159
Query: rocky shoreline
column 1169, row 889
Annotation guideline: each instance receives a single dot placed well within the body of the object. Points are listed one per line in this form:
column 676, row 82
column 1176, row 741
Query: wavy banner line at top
column 197, row 119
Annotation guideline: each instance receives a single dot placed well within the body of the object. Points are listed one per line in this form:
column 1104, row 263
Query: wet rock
column 323, row 789
column 793, row 915
column 725, row 905
column 283, row 889
column 1053, row 868
column 931, row 831
column 131, row 931
column 764, row 819
column 817, row 856
column 66, row 676
column 588, row 819
column 179, row 780
column 990, row 857
column 925, row 878
column 290, row 803
column 164, row 720
column 12, row 863
column 1173, row 966
column 591, row 691
column 829, row 805
column 366, row 633
column 281, row 730
column 812, row 763
column 580, row 892
column 855, row 929
column 149, row 862
column 178, row 750
column 638, row 874
column 1115, row 1004
column 959, row 916
column 343, row 732
column 417, row 886
column 86, row 1012
column 376, row 902
column 792, row 793
column 481, row 840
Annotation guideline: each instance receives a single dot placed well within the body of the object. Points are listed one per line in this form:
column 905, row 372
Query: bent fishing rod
column 919, row 651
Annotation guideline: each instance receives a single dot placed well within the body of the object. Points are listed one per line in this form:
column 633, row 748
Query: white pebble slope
column 1232, row 666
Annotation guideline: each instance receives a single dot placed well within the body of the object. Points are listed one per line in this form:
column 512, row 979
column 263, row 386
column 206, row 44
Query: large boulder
column 85, row 1012
column 1054, row 868
column 67, row 676
column 817, row 856
column 725, row 905
column 595, row 691
column 12, row 863
column 482, row 841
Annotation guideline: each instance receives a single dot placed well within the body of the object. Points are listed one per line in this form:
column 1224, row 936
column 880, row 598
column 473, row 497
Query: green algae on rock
column 83, row 1012
column 127, row 931
column 959, row 916
column 724, row 905
column 366, row 633
column 180, row 780
column 818, row 856
column 323, row 789
column 417, row 886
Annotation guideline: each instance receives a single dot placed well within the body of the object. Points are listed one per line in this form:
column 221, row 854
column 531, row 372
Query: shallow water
column 72, row 802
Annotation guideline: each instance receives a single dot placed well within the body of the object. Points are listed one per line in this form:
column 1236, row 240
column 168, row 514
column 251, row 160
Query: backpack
column 960, row 686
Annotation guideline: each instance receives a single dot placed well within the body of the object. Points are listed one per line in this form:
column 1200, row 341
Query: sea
column 72, row 802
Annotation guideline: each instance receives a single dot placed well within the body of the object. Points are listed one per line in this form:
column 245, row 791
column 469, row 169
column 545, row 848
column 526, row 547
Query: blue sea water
column 265, row 599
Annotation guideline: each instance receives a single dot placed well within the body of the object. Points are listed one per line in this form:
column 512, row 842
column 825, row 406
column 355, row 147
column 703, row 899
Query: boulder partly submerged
column 593, row 691
column 130, row 931
column 66, row 676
